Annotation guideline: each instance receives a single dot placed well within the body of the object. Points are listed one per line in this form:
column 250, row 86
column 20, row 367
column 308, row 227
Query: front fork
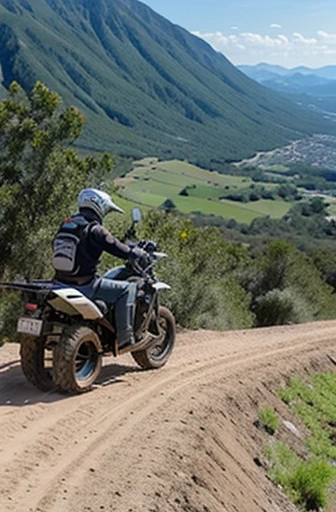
column 151, row 322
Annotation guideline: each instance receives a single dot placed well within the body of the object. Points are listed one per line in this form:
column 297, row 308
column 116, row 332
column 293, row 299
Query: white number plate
column 29, row 326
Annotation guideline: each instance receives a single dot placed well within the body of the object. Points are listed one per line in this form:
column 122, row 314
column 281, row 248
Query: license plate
column 29, row 326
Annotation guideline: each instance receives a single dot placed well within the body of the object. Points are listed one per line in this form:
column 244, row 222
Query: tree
column 318, row 206
column 168, row 205
column 39, row 175
column 184, row 192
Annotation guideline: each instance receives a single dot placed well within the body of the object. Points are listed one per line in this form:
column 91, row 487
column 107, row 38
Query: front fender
column 161, row 286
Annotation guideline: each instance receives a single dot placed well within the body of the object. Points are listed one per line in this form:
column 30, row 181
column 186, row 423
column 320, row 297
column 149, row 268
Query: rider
column 78, row 247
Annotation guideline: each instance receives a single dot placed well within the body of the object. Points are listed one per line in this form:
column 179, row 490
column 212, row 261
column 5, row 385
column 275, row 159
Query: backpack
column 72, row 233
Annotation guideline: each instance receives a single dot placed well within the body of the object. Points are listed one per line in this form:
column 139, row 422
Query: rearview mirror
column 136, row 215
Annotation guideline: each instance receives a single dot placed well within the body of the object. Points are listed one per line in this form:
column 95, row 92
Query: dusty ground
column 178, row 439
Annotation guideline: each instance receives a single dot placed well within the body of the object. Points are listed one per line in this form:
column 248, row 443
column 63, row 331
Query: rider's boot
column 126, row 342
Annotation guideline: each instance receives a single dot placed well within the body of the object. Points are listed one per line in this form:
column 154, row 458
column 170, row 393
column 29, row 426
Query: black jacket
column 97, row 240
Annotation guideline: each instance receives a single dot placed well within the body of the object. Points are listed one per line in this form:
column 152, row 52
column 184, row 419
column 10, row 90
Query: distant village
column 318, row 151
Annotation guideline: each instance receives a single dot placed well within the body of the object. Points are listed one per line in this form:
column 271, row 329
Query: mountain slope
column 147, row 86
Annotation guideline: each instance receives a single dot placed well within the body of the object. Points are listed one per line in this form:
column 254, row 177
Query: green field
column 152, row 182
column 127, row 205
column 275, row 168
column 332, row 207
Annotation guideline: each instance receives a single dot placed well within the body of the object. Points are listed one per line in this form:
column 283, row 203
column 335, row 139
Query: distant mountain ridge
column 147, row 86
column 327, row 72
column 301, row 79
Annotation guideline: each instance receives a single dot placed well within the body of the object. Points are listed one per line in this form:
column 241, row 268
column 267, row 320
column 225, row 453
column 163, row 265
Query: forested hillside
column 147, row 87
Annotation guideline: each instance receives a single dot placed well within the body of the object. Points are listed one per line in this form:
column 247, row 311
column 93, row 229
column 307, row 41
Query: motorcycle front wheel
column 77, row 359
column 159, row 351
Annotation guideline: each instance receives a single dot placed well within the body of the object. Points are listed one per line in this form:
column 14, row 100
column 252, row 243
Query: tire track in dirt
column 184, row 378
column 121, row 431
column 61, row 439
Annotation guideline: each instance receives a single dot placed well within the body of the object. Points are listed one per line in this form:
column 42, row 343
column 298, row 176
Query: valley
column 253, row 188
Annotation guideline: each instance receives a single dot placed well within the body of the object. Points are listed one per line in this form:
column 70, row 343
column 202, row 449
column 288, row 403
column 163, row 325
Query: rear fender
column 72, row 302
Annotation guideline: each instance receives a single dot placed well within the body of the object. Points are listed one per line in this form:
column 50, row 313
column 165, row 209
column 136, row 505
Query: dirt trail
column 178, row 439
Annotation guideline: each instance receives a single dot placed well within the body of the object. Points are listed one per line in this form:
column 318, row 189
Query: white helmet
column 98, row 201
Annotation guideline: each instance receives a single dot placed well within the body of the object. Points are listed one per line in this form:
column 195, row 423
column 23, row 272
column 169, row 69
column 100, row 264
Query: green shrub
column 279, row 307
column 201, row 270
column 286, row 287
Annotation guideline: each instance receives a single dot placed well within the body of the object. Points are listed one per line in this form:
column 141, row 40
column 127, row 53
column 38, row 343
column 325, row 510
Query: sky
column 285, row 32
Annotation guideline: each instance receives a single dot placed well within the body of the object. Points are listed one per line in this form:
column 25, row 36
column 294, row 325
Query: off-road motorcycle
column 65, row 332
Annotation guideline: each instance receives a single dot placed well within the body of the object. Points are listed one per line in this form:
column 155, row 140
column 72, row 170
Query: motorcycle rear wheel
column 77, row 359
column 36, row 362
column 158, row 353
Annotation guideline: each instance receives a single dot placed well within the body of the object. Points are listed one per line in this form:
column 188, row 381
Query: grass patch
column 127, row 205
column 276, row 168
column 332, row 207
column 305, row 482
column 206, row 192
column 269, row 420
column 314, row 401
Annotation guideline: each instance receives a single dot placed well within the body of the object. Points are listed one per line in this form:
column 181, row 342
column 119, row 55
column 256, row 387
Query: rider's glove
column 141, row 256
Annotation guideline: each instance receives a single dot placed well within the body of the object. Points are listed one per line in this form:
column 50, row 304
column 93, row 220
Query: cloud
column 298, row 38
column 288, row 50
column 327, row 38
column 234, row 28
column 275, row 25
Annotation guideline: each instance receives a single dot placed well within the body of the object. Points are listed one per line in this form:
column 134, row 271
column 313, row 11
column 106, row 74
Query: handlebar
column 149, row 247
